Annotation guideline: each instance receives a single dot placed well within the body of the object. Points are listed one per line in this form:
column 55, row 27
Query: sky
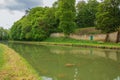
column 13, row 10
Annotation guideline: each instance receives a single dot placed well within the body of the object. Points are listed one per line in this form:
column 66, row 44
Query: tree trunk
column 107, row 37
column 118, row 37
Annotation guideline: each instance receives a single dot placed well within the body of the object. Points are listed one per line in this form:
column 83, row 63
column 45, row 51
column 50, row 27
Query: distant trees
column 4, row 34
column 108, row 16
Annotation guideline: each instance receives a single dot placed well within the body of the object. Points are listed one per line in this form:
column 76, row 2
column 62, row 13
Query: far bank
column 73, row 42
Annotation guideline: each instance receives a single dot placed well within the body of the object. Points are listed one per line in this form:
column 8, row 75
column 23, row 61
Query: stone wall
column 112, row 37
column 98, row 37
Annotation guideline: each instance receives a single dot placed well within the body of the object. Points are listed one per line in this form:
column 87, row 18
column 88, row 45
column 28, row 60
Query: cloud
column 19, row 4
column 8, row 18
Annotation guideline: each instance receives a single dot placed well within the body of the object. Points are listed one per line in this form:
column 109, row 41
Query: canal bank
column 73, row 42
column 15, row 67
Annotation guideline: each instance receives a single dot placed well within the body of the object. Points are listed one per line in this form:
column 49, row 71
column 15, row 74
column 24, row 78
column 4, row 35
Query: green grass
column 1, row 57
column 82, row 43
column 89, row 30
column 15, row 67
column 66, row 40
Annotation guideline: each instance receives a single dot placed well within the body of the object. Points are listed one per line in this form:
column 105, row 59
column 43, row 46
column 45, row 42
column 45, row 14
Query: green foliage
column 108, row 16
column 37, row 24
column 66, row 15
column 4, row 34
column 50, row 20
column 86, row 13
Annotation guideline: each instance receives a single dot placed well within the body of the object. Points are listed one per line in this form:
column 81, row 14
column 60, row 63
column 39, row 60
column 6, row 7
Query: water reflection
column 46, row 78
column 71, row 63
column 118, row 78
column 76, row 74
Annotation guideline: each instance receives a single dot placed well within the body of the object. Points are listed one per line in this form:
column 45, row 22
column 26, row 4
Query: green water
column 71, row 63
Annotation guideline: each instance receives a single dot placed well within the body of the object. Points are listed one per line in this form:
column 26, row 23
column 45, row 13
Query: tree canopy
column 39, row 22
column 86, row 12
column 66, row 15
column 108, row 16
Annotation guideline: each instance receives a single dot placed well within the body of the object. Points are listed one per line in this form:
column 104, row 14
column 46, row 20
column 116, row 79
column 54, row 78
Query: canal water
column 71, row 63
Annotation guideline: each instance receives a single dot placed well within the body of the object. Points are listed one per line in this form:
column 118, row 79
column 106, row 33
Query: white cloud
column 48, row 2
column 2, row 1
column 19, row 4
column 13, row 10
column 7, row 18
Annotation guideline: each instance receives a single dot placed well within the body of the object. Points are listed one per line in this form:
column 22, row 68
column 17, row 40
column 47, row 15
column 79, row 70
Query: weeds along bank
column 15, row 67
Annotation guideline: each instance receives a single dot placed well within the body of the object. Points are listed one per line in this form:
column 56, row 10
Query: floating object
column 69, row 65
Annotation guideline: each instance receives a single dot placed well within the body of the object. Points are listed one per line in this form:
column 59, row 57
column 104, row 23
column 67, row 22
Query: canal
column 71, row 63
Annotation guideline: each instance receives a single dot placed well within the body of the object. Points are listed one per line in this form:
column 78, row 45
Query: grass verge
column 83, row 43
column 74, row 42
column 1, row 57
column 15, row 67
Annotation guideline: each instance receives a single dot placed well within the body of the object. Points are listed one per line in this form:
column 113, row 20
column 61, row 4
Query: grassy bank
column 73, row 42
column 88, row 31
column 1, row 57
column 15, row 67
column 84, row 43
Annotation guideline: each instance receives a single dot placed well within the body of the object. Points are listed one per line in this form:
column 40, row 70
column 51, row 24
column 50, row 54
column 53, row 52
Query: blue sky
column 13, row 10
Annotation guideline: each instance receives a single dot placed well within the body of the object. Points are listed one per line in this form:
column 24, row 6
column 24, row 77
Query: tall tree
column 81, row 17
column 108, row 16
column 66, row 13
column 50, row 21
column 86, row 13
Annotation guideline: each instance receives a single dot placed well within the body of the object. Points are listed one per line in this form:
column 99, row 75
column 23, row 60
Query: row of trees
column 104, row 15
column 38, row 23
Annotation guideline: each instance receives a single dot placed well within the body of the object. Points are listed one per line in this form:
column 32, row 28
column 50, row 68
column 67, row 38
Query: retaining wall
column 97, row 37
column 112, row 37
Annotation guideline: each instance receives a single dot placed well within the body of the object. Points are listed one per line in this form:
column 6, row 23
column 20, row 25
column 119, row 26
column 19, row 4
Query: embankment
column 15, row 67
